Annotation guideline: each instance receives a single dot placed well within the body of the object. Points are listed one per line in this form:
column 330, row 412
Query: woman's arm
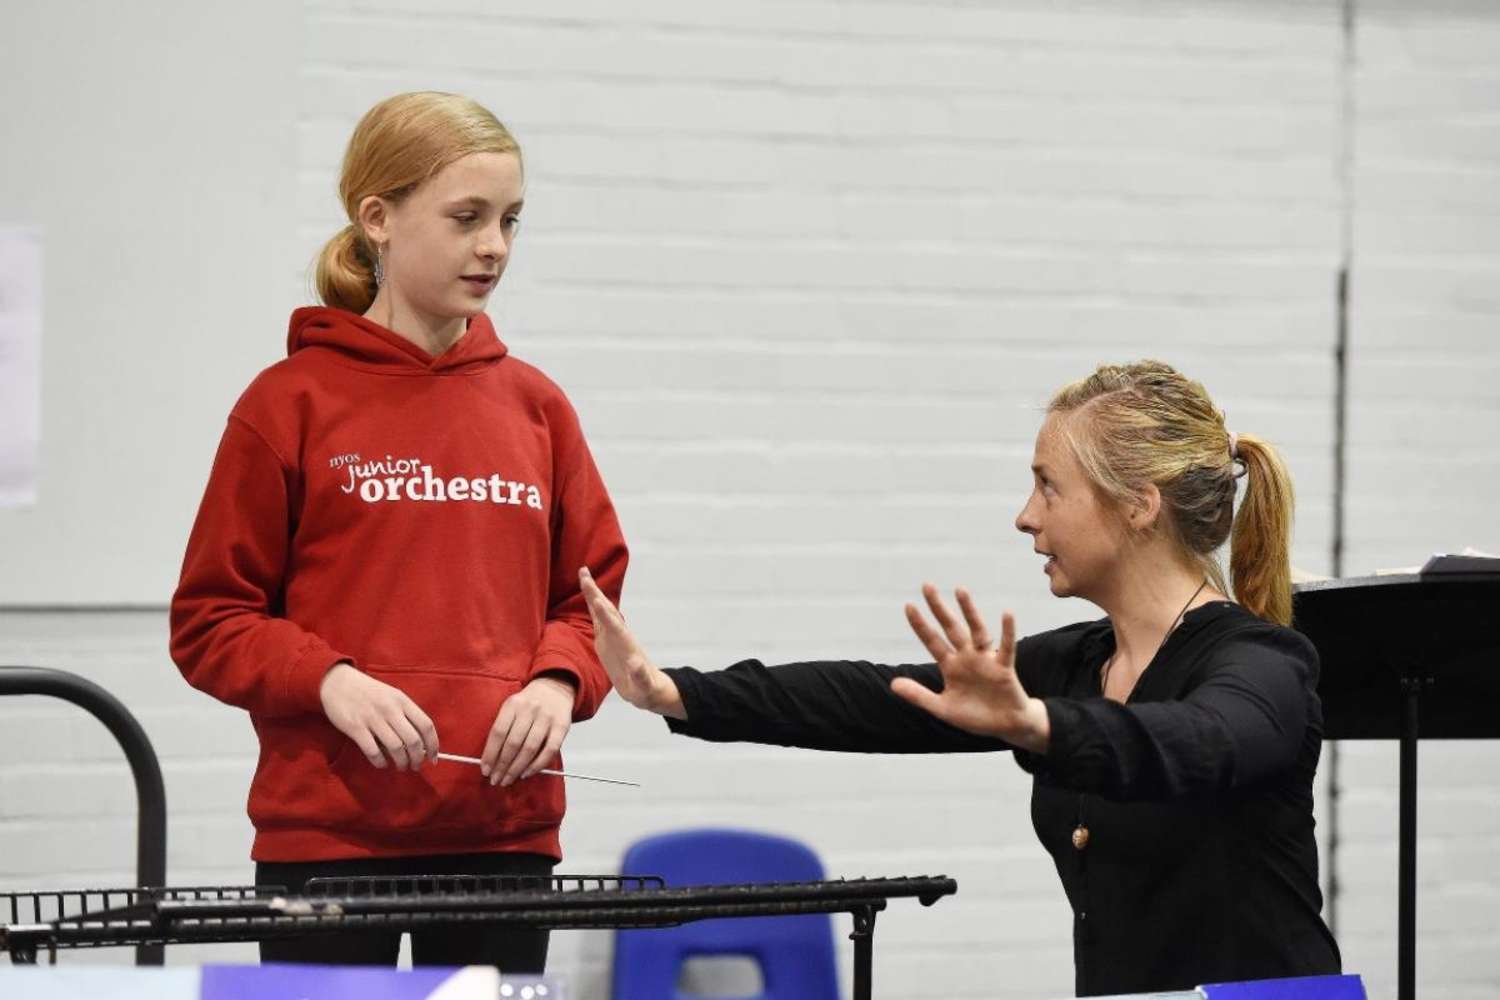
column 831, row 705
column 836, row 705
column 1247, row 720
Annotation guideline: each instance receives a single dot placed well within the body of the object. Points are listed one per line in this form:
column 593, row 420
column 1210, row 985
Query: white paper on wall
column 20, row 363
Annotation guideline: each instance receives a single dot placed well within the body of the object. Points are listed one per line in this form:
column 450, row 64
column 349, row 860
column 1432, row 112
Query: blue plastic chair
column 794, row 953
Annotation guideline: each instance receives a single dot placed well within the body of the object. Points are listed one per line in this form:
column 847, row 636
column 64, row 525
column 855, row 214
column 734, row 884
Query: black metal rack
column 96, row 918
column 150, row 791
column 115, row 917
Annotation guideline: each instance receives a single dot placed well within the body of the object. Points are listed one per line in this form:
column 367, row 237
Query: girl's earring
column 379, row 266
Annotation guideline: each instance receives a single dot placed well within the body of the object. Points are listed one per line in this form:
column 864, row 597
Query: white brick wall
column 808, row 270
column 1424, row 421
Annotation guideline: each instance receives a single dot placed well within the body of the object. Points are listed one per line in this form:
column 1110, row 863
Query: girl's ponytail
column 345, row 274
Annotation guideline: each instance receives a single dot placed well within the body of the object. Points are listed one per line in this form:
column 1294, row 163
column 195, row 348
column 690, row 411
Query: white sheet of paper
column 20, row 363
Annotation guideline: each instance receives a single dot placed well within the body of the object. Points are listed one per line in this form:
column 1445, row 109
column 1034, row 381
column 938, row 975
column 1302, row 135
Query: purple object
column 1301, row 988
column 320, row 982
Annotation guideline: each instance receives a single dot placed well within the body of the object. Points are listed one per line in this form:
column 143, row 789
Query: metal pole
column 1406, row 903
column 864, row 950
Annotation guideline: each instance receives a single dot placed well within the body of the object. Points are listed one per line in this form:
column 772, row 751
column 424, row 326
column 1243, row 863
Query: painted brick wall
column 808, row 271
column 1424, row 419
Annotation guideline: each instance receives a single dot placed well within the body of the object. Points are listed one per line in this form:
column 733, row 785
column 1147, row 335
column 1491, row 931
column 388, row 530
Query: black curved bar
column 150, row 792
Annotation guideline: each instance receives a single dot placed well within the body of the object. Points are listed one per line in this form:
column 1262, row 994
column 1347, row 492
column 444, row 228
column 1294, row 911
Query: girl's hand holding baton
column 381, row 720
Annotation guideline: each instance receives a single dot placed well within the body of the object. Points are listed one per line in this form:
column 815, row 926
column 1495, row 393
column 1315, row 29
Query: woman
column 387, row 546
column 1172, row 743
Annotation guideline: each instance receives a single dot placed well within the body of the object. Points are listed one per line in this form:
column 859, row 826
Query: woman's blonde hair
column 398, row 144
column 1130, row 425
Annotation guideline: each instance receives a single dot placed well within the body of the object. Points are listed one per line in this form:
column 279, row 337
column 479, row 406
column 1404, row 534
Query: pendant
column 1080, row 837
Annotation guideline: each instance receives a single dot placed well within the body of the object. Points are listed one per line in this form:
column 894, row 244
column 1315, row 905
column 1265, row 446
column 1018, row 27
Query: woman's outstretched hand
column 639, row 681
column 981, row 692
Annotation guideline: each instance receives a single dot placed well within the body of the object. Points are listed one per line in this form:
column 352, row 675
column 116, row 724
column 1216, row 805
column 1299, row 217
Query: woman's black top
column 1200, row 864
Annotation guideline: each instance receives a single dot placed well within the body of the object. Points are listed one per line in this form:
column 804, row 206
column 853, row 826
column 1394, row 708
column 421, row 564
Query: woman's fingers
column 609, row 624
column 1008, row 639
column 592, row 595
column 588, row 602
column 979, row 634
column 630, row 670
column 936, row 646
column 601, row 608
column 952, row 628
column 920, row 696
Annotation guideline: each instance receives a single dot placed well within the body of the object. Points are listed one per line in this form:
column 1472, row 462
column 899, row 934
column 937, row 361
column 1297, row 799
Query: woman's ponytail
column 1260, row 558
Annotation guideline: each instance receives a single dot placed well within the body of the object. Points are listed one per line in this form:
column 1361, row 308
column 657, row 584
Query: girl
column 386, row 551
column 1172, row 743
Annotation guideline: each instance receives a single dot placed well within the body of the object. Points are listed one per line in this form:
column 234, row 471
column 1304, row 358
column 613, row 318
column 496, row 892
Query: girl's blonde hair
column 1130, row 425
column 398, row 144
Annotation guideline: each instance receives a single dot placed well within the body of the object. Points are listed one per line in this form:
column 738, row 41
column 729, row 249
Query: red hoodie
column 425, row 519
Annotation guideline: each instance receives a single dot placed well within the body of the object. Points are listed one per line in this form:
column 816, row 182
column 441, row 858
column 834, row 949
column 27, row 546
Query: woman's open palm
column 981, row 692
column 639, row 681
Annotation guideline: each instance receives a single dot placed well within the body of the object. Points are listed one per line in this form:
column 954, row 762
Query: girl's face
column 448, row 242
column 1081, row 537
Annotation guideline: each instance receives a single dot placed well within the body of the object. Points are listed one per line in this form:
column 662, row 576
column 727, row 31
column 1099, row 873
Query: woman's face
column 1081, row 538
column 448, row 242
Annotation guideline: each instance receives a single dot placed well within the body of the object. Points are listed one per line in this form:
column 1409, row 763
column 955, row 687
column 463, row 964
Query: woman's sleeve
column 837, row 705
column 227, row 636
column 585, row 532
column 1247, row 720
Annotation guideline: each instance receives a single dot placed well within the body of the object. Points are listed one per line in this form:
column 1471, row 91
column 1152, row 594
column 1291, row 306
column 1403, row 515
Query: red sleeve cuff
column 304, row 678
column 556, row 661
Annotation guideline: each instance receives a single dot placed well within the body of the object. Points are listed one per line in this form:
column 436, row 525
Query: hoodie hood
column 365, row 344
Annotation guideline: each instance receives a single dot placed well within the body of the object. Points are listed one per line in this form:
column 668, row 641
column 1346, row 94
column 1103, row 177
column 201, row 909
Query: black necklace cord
column 1104, row 678
column 1081, row 831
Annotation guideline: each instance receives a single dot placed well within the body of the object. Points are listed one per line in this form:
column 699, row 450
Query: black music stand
column 1404, row 657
